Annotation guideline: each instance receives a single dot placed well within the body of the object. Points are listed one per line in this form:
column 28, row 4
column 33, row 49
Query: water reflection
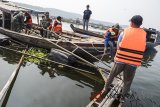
column 149, row 55
column 45, row 69
column 9, row 56
column 55, row 70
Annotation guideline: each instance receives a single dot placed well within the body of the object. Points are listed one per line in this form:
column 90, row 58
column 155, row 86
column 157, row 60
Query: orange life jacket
column 132, row 46
column 29, row 21
column 58, row 27
column 113, row 36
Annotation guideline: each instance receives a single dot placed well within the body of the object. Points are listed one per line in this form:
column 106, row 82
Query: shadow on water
column 9, row 57
column 54, row 70
column 53, row 73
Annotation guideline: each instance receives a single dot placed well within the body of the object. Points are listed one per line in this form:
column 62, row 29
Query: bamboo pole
column 11, row 78
column 99, row 68
column 83, row 50
column 87, row 52
column 73, row 53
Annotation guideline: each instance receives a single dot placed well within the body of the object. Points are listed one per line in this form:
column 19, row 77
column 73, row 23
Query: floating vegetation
column 60, row 66
column 38, row 52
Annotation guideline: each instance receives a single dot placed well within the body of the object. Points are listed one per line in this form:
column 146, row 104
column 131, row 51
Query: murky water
column 146, row 85
column 43, row 86
column 53, row 86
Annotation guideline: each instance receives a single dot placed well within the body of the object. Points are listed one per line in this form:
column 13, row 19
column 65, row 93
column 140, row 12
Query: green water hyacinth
column 38, row 52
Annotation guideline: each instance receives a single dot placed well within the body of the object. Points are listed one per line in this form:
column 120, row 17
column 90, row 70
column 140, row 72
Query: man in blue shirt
column 86, row 17
column 129, row 54
column 110, row 37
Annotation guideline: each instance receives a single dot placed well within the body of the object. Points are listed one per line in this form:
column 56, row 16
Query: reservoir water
column 39, row 85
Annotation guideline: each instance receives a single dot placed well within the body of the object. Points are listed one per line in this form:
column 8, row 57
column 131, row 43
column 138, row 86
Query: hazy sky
column 116, row 11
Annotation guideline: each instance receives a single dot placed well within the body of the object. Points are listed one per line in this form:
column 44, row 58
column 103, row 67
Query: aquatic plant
column 38, row 52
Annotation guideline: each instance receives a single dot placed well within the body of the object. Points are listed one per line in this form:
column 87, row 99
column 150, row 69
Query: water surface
column 53, row 86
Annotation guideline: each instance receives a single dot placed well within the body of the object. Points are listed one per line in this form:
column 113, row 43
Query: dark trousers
column 128, row 75
column 85, row 24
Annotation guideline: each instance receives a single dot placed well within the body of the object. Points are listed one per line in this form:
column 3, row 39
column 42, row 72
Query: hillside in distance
column 65, row 14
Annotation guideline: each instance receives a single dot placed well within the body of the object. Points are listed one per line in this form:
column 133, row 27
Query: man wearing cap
column 131, row 46
column 110, row 37
column 86, row 17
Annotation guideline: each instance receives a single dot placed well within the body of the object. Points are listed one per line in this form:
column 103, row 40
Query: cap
column 137, row 19
column 88, row 5
column 59, row 18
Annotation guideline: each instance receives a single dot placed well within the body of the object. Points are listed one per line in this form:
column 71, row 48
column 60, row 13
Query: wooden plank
column 3, row 18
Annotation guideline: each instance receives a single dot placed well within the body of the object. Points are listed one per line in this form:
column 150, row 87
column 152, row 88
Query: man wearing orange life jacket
column 131, row 46
column 110, row 37
column 28, row 22
column 57, row 26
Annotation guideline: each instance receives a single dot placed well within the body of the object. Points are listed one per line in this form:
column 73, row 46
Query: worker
column 49, row 29
column 110, row 37
column 57, row 26
column 18, row 21
column 86, row 16
column 41, row 24
column 130, row 49
column 28, row 23
column 46, row 24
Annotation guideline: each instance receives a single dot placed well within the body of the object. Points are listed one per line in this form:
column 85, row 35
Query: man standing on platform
column 86, row 17
column 130, row 49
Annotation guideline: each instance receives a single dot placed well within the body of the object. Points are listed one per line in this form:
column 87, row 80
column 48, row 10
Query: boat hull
column 78, row 30
column 93, row 48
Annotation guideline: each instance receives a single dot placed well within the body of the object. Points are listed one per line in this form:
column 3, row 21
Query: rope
column 76, row 46
column 95, row 48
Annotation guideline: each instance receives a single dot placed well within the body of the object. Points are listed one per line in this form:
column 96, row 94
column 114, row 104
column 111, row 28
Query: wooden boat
column 109, row 98
column 89, row 44
column 92, row 45
column 85, row 32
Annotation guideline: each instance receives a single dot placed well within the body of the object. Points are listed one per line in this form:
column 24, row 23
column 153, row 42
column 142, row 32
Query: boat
column 89, row 44
column 69, row 41
column 111, row 96
column 92, row 45
column 85, row 32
